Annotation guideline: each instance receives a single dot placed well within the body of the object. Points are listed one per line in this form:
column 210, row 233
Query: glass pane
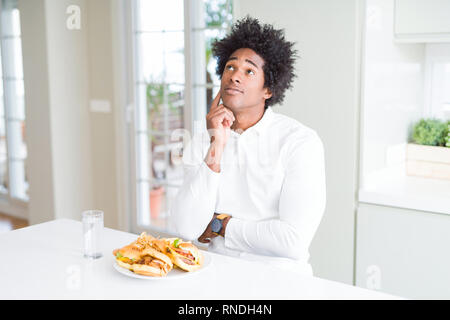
column 19, row 186
column 143, row 202
column 165, row 116
column 13, row 149
column 10, row 18
column 161, row 57
column 3, row 153
column 2, row 140
column 141, row 107
column 440, row 91
column 3, row 172
column 158, row 207
column 174, row 42
column 211, row 63
column 15, row 99
column 445, row 106
column 212, row 14
column 15, row 21
column 156, row 15
column 12, row 56
column 165, row 107
column 2, row 106
column 142, row 157
column 205, row 96
column 161, row 200
column 164, row 164
column 174, row 68
column 210, row 95
column 218, row 13
column 2, row 125
column 174, row 57
column 3, row 156
column 217, row 18
column 1, row 69
column 150, row 57
column 164, row 189
column 17, row 148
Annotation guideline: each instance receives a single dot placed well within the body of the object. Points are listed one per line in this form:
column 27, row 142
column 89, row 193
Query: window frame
column 9, row 203
column 189, row 113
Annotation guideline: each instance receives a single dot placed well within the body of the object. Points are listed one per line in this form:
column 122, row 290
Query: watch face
column 216, row 225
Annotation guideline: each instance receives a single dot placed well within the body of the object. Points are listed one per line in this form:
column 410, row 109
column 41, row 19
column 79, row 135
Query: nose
column 235, row 77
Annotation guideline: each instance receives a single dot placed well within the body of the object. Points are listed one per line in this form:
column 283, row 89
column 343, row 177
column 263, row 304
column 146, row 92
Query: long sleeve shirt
column 272, row 183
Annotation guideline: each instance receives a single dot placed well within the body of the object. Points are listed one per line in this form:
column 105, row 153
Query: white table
column 45, row 261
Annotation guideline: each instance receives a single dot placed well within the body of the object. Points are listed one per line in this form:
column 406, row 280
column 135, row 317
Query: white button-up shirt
column 272, row 183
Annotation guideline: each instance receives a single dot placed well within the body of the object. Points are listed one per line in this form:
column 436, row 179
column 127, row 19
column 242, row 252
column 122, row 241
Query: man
column 255, row 182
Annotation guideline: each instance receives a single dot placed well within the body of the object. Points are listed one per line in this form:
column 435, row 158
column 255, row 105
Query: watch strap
column 222, row 216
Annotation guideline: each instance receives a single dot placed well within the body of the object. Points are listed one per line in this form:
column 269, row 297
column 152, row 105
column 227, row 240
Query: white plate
column 175, row 273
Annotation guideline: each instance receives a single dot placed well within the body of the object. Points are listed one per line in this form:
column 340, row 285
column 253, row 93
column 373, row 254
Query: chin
column 232, row 104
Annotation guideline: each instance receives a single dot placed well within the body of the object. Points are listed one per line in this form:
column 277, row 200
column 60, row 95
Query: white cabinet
column 403, row 252
column 422, row 21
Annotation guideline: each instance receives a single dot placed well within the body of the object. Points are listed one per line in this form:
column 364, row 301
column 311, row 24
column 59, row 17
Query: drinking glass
column 92, row 233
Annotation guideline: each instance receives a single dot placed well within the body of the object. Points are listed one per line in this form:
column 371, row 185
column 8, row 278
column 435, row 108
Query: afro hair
column 269, row 43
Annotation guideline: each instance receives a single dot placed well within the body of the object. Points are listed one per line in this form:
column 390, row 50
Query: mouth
column 232, row 90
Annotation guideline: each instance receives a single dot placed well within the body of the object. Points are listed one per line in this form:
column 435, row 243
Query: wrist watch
column 217, row 223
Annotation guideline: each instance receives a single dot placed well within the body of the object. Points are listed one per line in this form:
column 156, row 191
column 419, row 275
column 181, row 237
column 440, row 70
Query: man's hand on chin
column 208, row 234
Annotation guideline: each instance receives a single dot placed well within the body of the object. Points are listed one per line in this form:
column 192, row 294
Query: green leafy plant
column 155, row 92
column 155, row 99
column 447, row 135
column 430, row 132
column 218, row 15
column 159, row 95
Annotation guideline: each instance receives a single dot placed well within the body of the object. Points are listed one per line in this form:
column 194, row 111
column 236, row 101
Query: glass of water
column 92, row 232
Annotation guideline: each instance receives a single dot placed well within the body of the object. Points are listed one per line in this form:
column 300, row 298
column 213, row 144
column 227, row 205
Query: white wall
column 69, row 95
column 56, row 95
column 326, row 98
column 37, row 107
column 72, row 151
column 102, row 125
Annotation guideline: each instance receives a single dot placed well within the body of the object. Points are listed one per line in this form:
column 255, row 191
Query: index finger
column 215, row 102
column 204, row 239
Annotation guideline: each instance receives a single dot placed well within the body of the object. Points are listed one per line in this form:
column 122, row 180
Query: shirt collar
column 262, row 124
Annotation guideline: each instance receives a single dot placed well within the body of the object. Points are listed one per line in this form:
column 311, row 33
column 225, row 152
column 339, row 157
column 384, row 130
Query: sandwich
column 184, row 255
column 143, row 258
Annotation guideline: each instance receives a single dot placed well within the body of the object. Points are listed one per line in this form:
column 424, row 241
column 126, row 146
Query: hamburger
column 184, row 255
column 143, row 258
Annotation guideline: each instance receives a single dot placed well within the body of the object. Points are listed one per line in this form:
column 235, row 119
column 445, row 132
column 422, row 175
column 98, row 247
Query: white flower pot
column 428, row 161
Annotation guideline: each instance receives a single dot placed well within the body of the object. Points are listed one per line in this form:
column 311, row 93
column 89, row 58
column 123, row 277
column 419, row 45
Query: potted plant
column 428, row 153
column 156, row 197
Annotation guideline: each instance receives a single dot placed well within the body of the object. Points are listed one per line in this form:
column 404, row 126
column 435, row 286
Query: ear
column 267, row 93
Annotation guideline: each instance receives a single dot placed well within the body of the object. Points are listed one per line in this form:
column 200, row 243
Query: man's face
column 242, row 84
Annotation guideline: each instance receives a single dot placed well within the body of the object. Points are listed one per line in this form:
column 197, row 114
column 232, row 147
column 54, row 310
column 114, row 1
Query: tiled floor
column 8, row 223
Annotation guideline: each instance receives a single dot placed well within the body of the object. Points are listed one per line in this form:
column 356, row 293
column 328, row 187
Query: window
column 175, row 82
column 13, row 150
column 437, row 81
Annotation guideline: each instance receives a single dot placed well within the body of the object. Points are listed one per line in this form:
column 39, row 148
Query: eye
column 229, row 67
column 250, row 71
